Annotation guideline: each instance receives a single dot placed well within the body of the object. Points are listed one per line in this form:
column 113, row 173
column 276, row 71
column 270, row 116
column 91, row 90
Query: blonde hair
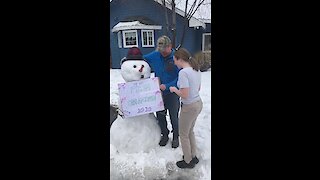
column 184, row 54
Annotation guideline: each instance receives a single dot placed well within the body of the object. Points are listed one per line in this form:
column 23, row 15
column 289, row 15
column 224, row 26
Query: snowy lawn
column 159, row 163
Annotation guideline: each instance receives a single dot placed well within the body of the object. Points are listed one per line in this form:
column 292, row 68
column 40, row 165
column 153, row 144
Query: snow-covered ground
column 159, row 163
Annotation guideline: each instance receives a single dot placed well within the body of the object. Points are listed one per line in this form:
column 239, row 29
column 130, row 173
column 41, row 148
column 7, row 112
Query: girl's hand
column 173, row 89
column 162, row 87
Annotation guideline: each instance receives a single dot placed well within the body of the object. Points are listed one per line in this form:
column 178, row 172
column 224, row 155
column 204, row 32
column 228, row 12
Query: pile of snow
column 157, row 162
column 135, row 134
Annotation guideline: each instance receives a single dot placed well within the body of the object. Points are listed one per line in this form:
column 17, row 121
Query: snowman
column 138, row 133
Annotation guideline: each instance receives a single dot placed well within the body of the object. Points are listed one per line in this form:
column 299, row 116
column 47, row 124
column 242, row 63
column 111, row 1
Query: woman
column 189, row 82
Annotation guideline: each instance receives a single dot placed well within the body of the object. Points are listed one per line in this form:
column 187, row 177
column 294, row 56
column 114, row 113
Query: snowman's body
column 140, row 133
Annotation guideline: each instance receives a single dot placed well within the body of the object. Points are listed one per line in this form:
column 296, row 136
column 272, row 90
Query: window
column 147, row 38
column 130, row 38
column 119, row 40
column 206, row 42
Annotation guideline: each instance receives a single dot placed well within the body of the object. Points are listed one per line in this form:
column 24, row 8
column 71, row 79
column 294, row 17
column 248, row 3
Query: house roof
column 133, row 25
column 193, row 22
column 141, row 19
column 205, row 20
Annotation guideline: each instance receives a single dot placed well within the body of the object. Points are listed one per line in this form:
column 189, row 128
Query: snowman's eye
column 134, row 66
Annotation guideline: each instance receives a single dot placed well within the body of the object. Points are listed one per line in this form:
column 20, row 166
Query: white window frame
column 203, row 38
column 119, row 40
column 124, row 39
column 148, row 45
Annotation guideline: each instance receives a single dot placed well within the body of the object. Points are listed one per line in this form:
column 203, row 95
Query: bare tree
column 170, row 27
column 188, row 14
column 166, row 16
column 174, row 26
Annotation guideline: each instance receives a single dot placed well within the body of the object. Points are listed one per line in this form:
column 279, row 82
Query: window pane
column 150, row 37
column 127, row 38
column 133, row 41
column 130, row 38
column 207, row 43
column 144, row 38
column 144, row 41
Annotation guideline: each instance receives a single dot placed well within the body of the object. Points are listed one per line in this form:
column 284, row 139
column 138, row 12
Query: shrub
column 204, row 60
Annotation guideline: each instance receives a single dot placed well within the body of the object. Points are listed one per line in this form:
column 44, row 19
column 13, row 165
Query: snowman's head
column 134, row 67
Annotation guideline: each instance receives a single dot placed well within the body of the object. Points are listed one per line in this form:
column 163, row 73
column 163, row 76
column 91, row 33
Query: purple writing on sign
column 140, row 97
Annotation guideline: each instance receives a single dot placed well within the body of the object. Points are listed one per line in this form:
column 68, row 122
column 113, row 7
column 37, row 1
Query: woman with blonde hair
column 189, row 82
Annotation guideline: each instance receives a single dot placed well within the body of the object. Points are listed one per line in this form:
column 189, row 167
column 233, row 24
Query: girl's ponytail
column 184, row 54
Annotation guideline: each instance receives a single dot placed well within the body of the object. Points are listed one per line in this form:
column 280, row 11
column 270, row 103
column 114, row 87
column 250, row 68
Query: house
column 141, row 22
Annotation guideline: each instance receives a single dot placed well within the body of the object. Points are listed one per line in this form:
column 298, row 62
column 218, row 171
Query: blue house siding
column 121, row 9
column 208, row 28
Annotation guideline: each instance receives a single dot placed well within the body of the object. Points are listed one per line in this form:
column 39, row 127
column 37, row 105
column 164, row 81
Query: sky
column 204, row 11
column 155, row 164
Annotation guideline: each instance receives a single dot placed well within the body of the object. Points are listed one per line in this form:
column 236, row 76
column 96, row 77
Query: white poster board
column 140, row 97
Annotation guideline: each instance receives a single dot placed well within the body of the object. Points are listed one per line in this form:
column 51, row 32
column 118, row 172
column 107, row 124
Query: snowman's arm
column 120, row 111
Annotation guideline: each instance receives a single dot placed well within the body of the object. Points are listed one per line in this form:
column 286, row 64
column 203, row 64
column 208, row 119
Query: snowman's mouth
column 142, row 76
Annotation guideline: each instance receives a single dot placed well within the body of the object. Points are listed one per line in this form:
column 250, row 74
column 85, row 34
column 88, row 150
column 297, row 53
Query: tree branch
column 196, row 8
column 191, row 9
column 166, row 16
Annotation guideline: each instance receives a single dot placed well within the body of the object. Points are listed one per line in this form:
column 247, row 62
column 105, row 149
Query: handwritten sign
column 140, row 97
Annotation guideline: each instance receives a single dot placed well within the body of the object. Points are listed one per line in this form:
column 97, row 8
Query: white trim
column 119, row 39
column 205, row 20
column 124, row 39
column 203, row 35
column 193, row 22
column 148, row 45
column 133, row 25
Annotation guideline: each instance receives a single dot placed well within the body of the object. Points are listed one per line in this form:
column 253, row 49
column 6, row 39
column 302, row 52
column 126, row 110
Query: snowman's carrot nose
column 141, row 69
